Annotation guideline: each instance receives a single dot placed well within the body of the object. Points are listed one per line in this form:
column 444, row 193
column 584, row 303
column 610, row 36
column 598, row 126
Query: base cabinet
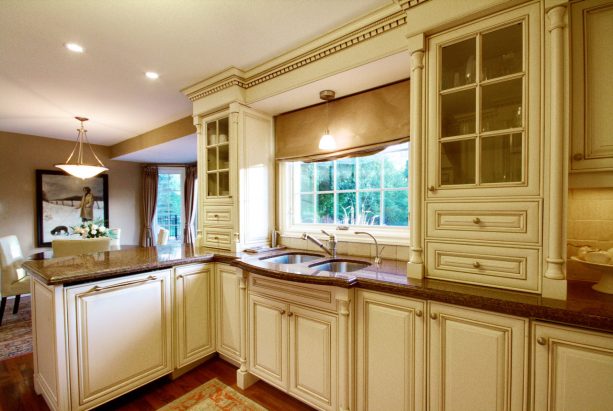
column 478, row 360
column 119, row 336
column 572, row 369
column 227, row 302
column 390, row 355
column 194, row 315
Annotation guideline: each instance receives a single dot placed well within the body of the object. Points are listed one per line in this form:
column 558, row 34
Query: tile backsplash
column 391, row 252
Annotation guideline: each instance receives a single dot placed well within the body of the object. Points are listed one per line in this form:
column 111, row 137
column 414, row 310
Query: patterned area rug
column 16, row 330
column 211, row 396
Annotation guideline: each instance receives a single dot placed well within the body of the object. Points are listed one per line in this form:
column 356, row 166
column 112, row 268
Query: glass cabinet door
column 218, row 158
column 481, row 94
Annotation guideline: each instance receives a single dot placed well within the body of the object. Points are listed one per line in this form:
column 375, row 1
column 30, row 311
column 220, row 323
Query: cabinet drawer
column 220, row 215
column 511, row 221
column 218, row 238
column 319, row 296
column 504, row 267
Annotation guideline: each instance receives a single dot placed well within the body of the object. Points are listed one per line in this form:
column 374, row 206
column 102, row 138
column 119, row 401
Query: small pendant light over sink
column 327, row 141
column 78, row 168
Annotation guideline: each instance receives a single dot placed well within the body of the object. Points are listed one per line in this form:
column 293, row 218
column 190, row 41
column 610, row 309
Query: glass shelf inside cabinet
column 502, row 52
column 458, row 64
column 218, row 158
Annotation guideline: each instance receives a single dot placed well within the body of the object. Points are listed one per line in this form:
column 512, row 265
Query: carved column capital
column 417, row 60
column 556, row 18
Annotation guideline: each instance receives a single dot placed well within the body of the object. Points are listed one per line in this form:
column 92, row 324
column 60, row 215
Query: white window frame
column 385, row 234
column 156, row 227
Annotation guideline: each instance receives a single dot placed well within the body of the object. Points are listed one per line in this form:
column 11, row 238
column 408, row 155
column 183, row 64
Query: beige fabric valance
column 359, row 123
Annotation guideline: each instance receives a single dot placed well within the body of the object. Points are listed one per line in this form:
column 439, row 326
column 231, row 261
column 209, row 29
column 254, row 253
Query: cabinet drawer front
column 220, row 215
column 503, row 221
column 323, row 297
column 504, row 267
column 218, row 238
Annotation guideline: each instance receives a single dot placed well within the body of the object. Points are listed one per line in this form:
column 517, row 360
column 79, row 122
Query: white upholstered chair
column 163, row 236
column 115, row 236
column 63, row 248
column 14, row 281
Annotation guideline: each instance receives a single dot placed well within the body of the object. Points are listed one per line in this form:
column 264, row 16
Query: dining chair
column 64, row 248
column 14, row 281
column 163, row 236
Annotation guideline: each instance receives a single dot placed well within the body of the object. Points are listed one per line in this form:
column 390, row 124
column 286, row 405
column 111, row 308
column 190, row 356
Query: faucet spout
column 330, row 250
column 377, row 251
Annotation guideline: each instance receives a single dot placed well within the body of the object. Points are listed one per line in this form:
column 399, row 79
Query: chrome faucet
column 274, row 238
column 330, row 249
column 377, row 251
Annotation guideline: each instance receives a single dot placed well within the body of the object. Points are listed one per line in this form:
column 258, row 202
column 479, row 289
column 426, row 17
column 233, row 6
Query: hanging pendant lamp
column 327, row 141
column 78, row 168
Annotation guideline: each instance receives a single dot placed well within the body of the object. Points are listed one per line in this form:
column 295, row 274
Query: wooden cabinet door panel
column 228, row 312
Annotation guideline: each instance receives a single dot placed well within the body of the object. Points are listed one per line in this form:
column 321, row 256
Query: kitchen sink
column 340, row 266
column 291, row 258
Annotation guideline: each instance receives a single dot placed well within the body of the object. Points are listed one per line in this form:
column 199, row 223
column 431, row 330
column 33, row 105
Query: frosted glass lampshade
column 327, row 142
column 81, row 170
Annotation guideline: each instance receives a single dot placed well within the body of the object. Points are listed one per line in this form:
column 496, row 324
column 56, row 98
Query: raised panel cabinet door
column 119, row 334
column 478, row 360
column 573, row 369
column 268, row 340
column 390, row 353
column 194, row 316
column 313, row 353
column 228, row 312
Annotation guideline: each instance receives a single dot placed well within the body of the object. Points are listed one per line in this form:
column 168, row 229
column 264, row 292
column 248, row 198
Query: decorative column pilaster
column 243, row 378
column 415, row 267
column 555, row 261
column 201, row 138
column 343, row 362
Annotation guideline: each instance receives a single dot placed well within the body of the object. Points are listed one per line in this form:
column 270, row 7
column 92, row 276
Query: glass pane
column 211, row 133
column 501, row 158
column 458, row 113
column 325, row 208
column 345, row 174
column 307, row 208
column 501, row 105
column 458, row 162
column 396, row 207
column 211, row 158
column 345, row 208
column 224, row 156
column 224, row 183
column 458, row 63
column 370, row 171
column 211, row 185
column 170, row 204
column 369, row 212
column 502, row 52
column 223, row 130
column 306, row 177
column 396, row 168
column 325, row 176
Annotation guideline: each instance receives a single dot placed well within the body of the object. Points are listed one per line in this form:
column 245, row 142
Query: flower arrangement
column 91, row 229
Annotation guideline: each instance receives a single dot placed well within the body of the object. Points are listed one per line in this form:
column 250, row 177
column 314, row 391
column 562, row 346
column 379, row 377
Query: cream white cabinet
column 194, row 313
column 236, row 178
column 478, row 360
column 390, row 352
column 572, row 368
column 592, row 63
column 299, row 340
column 119, row 336
column 227, row 302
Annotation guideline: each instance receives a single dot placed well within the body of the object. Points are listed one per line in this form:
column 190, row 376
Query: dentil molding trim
column 368, row 31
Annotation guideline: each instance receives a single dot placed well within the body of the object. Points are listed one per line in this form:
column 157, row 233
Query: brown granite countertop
column 583, row 307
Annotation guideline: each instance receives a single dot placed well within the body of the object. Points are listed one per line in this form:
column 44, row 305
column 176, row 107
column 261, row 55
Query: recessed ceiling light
column 74, row 47
column 152, row 75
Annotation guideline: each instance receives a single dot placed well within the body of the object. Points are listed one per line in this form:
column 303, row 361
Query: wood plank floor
column 17, row 389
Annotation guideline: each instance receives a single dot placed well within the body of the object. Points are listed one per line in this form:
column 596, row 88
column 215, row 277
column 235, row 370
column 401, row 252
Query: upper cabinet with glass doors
column 484, row 108
column 217, row 158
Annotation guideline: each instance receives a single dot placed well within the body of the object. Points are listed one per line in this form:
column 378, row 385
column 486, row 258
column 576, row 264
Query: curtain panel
column 150, row 194
column 191, row 173
column 360, row 123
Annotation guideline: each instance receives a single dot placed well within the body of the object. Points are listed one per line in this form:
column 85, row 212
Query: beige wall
column 21, row 154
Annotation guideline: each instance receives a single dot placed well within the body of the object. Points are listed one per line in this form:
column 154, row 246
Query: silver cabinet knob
column 433, row 316
column 476, row 264
column 476, row 220
column 541, row 341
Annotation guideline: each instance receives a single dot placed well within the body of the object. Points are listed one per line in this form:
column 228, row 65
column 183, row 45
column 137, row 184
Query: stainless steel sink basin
column 340, row 266
column 291, row 258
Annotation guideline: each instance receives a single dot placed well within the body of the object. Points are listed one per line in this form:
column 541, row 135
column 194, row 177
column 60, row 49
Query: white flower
column 93, row 232
column 94, row 226
column 102, row 229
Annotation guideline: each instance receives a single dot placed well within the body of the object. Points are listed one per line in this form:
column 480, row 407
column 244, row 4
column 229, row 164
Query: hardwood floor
column 17, row 389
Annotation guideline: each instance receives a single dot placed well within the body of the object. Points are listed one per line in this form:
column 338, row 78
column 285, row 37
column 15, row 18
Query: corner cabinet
column 235, row 178
column 227, row 300
column 483, row 152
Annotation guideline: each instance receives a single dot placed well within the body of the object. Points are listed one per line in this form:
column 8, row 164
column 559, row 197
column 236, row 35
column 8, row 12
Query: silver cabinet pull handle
column 433, row 316
column 108, row 287
column 476, row 220
column 541, row 341
column 476, row 264
column 418, row 313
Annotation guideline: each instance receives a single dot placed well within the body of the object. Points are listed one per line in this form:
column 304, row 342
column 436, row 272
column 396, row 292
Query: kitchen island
column 109, row 322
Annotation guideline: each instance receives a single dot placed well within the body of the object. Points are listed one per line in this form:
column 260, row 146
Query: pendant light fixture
column 78, row 168
column 327, row 141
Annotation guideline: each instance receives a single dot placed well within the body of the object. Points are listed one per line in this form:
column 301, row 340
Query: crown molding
column 355, row 33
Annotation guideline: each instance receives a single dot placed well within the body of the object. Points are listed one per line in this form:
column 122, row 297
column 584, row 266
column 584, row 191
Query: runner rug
column 213, row 395
column 16, row 330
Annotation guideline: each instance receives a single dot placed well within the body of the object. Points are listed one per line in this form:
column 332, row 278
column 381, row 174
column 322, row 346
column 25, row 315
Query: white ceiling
column 181, row 150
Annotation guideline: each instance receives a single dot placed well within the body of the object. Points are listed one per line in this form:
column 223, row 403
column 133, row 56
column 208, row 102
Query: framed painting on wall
column 64, row 201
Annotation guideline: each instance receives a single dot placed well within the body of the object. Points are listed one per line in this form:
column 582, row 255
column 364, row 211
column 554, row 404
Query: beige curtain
column 150, row 195
column 191, row 174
